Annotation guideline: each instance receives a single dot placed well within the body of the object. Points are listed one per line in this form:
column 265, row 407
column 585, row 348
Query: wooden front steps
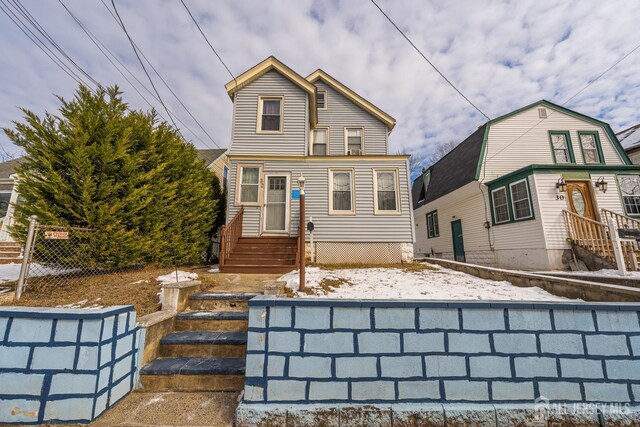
column 207, row 350
column 262, row 255
column 10, row 252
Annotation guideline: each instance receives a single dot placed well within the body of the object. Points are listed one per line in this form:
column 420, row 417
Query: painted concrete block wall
column 375, row 351
column 65, row 365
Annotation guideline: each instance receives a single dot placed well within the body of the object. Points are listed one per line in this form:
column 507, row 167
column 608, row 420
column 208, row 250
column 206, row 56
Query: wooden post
column 617, row 248
column 303, row 230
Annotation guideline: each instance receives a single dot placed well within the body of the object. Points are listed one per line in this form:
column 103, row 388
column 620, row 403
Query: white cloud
column 502, row 55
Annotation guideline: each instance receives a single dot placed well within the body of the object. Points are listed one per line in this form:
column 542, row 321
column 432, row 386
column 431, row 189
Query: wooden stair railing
column 230, row 235
column 589, row 234
column 631, row 249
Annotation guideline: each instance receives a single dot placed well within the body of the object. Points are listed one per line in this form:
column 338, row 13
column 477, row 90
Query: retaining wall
column 65, row 365
column 333, row 352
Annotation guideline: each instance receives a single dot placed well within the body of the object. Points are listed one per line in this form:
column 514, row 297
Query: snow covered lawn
column 432, row 283
column 9, row 272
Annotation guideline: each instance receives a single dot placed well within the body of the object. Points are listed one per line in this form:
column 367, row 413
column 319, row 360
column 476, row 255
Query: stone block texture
column 65, row 365
column 330, row 352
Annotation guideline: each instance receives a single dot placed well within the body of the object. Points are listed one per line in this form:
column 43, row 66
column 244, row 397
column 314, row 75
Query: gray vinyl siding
column 364, row 226
column 342, row 113
column 293, row 140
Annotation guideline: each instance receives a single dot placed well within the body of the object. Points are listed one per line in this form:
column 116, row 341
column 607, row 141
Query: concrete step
column 226, row 301
column 258, row 269
column 10, row 245
column 10, row 260
column 206, row 320
column 193, row 374
column 204, row 344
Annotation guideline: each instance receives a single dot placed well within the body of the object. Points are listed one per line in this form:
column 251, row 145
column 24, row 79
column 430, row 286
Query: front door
column 580, row 200
column 458, row 242
column 276, row 206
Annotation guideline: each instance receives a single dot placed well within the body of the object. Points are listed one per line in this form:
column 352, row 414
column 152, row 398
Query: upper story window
column 320, row 142
column 354, row 141
column 321, row 99
column 630, row 192
column 386, row 191
column 433, row 229
column 561, row 147
column 249, row 188
column 341, row 192
column 591, row 149
column 270, row 114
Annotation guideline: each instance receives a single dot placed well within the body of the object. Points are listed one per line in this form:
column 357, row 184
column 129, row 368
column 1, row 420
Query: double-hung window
column 321, row 100
column 386, row 191
column 354, row 138
column 249, row 188
column 433, row 230
column 320, row 142
column 630, row 192
column 500, row 205
column 270, row 114
column 520, row 202
column 561, row 147
column 341, row 200
column 590, row 144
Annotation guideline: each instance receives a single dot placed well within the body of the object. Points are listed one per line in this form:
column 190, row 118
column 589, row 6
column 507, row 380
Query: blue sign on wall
column 295, row 194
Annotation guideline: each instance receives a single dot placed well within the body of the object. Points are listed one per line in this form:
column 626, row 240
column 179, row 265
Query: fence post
column 28, row 244
column 617, row 248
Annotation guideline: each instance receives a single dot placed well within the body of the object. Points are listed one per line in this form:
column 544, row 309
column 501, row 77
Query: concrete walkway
column 172, row 409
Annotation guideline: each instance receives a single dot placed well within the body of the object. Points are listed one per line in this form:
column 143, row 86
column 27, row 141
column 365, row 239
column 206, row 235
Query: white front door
column 276, row 204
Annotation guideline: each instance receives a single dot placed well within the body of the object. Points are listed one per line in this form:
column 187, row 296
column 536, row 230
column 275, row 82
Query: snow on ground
column 182, row 276
column 9, row 272
column 214, row 268
column 606, row 272
column 392, row 283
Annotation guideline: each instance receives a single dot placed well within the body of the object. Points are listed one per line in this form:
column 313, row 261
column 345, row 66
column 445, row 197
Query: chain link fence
column 56, row 256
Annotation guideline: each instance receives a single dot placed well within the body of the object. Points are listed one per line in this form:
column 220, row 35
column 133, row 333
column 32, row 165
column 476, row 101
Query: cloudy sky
column 501, row 54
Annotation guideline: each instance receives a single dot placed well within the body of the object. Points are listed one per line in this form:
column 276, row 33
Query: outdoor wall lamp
column 561, row 186
column 301, row 182
column 601, row 184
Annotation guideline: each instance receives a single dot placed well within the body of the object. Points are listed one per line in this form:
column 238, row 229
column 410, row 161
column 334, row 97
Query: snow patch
column 393, row 283
column 606, row 272
column 179, row 276
column 214, row 269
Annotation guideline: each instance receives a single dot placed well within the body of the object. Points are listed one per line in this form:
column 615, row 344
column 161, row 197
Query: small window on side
column 321, row 99
column 319, row 142
column 433, row 228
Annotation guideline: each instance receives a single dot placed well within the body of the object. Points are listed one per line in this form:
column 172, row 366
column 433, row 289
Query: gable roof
column 353, row 97
column 8, row 168
column 456, row 169
column 271, row 63
column 210, row 155
column 630, row 138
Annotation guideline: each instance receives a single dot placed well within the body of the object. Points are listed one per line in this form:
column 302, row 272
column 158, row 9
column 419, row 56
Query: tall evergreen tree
column 122, row 173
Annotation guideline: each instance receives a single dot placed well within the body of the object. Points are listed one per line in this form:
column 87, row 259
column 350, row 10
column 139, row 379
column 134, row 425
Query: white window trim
column 238, row 183
column 353, row 192
column 326, row 100
column 346, row 140
column 513, row 207
column 261, row 99
column 506, row 196
column 312, row 140
column 436, row 229
column 377, row 211
column 287, row 218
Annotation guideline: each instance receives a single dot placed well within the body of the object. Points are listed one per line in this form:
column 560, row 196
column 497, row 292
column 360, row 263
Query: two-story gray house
column 357, row 195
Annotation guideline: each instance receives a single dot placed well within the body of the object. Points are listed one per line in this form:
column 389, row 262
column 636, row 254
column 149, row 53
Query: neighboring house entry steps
column 262, row 255
column 207, row 350
column 10, row 252
column 595, row 237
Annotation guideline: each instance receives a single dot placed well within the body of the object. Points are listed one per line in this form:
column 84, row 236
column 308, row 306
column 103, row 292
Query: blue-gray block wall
column 65, row 365
column 329, row 352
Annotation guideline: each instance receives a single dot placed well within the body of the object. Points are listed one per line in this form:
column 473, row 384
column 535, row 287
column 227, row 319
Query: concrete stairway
column 207, row 350
column 10, row 252
column 262, row 255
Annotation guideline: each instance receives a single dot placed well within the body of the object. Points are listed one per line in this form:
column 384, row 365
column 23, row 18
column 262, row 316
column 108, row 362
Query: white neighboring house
column 630, row 140
column 506, row 195
column 214, row 159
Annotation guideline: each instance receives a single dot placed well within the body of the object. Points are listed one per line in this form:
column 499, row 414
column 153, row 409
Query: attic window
column 426, row 179
column 542, row 113
column 321, row 100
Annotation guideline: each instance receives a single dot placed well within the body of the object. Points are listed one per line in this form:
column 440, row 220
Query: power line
column 208, row 42
column 428, row 61
column 164, row 81
column 143, row 67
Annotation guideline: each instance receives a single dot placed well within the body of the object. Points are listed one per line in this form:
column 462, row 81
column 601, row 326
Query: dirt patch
column 405, row 266
column 138, row 288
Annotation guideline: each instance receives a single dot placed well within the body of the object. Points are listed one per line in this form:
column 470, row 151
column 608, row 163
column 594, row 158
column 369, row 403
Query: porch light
column 301, row 182
column 601, row 184
column 561, row 186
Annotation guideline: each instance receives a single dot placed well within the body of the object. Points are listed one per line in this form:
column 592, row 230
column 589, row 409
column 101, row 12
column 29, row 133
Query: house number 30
column 559, row 196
